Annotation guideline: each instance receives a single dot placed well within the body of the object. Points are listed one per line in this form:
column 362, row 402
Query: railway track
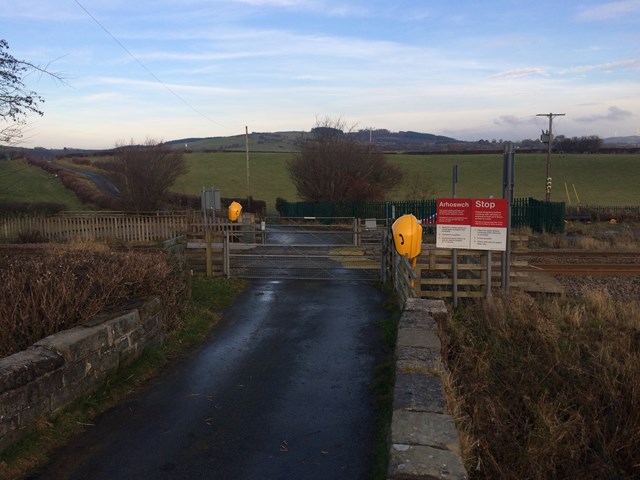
column 590, row 269
column 578, row 253
column 595, row 263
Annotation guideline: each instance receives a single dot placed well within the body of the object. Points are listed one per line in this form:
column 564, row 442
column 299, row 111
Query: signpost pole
column 454, row 251
column 508, row 180
column 489, row 260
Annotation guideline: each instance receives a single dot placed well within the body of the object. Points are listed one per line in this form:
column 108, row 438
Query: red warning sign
column 489, row 220
column 454, row 222
column 479, row 224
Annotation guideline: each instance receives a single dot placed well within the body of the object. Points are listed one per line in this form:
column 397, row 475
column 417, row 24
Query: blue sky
column 169, row 69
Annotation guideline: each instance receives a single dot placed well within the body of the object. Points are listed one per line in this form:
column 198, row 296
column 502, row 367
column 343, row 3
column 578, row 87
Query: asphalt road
column 280, row 390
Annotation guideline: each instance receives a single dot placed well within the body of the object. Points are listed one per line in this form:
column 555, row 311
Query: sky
column 471, row 70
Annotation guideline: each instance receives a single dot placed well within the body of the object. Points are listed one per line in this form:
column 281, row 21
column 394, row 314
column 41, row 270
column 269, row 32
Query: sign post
column 472, row 224
column 508, row 182
column 454, row 251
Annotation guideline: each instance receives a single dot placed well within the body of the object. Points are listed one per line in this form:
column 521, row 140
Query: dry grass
column 588, row 236
column 546, row 389
column 46, row 290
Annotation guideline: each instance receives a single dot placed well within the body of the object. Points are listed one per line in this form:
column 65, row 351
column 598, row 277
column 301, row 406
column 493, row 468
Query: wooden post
column 487, row 274
column 208, row 253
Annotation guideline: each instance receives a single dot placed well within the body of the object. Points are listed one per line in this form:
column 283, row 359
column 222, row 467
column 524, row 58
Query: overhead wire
column 145, row 68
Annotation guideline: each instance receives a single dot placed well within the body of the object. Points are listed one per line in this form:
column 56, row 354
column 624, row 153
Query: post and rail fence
column 478, row 271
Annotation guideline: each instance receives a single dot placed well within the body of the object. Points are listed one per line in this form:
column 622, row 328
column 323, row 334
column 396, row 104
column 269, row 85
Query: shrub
column 52, row 289
column 32, row 236
column 80, row 161
column 9, row 209
column 547, row 389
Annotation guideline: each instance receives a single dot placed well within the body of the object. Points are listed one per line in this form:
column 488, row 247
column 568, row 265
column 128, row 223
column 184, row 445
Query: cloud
column 614, row 114
column 512, row 121
column 610, row 66
column 278, row 3
column 339, row 9
column 545, row 72
column 522, row 72
column 609, row 10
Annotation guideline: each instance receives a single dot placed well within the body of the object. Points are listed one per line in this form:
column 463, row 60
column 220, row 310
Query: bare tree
column 16, row 102
column 333, row 165
column 419, row 188
column 146, row 172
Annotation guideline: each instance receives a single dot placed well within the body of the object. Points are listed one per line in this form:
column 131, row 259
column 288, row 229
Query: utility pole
column 549, row 137
column 246, row 144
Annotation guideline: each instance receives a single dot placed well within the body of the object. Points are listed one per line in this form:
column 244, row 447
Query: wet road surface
column 280, row 390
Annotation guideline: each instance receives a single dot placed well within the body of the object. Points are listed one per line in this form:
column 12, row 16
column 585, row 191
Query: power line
column 144, row 67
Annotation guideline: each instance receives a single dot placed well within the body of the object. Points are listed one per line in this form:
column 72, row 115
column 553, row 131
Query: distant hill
column 631, row 140
column 258, row 141
column 290, row 141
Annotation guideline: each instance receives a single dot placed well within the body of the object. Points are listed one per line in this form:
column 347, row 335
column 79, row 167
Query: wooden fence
column 98, row 226
column 432, row 276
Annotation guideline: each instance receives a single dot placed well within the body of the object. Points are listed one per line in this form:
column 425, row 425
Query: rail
column 590, row 269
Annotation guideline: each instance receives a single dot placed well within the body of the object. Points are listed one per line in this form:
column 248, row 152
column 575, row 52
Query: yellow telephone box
column 407, row 236
column 235, row 209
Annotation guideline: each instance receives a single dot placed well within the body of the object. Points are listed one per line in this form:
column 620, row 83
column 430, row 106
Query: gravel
column 619, row 288
column 625, row 288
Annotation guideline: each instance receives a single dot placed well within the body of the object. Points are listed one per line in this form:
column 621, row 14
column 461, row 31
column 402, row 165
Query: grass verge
column 209, row 296
column 546, row 388
column 384, row 381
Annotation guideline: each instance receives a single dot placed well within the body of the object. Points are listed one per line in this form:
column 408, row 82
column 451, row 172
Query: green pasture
column 227, row 171
column 21, row 182
column 602, row 179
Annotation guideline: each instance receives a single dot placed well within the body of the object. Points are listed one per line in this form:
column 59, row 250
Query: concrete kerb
column 424, row 443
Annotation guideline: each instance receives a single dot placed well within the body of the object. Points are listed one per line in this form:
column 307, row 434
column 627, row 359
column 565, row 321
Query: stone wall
column 59, row 369
column 424, row 442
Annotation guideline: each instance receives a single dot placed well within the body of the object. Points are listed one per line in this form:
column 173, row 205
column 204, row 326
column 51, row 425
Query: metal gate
column 310, row 250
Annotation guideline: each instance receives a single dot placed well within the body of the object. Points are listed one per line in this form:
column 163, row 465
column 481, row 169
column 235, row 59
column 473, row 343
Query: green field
column 602, row 179
column 268, row 177
column 598, row 179
column 21, row 182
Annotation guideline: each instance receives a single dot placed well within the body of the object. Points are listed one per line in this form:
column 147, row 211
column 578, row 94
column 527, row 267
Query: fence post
column 356, row 224
column 417, row 288
column 487, row 274
column 383, row 257
column 208, row 253
column 454, row 278
column 225, row 254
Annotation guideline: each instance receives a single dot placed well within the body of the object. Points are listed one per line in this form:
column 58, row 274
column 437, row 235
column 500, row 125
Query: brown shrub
column 32, row 236
column 16, row 209
column 547, row 389
column 80, row 161
column 52, row 289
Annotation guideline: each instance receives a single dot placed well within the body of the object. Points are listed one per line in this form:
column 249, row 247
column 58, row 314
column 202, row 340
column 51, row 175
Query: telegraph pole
column 549, row 137
column 246, row 144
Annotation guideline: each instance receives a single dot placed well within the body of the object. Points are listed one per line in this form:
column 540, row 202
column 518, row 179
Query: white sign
column 478, row 224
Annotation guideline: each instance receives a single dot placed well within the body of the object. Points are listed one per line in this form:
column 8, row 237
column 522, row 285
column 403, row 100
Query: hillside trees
column 16, row 101
column 590, row 144
column 334, row 166
column 146, row 172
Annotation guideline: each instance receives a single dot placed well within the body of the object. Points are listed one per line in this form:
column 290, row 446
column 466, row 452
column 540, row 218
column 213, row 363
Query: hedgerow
column 52, row 288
